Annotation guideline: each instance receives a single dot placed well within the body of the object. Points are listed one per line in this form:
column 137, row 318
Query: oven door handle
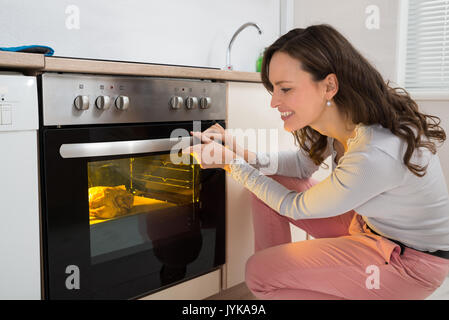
column 116, row 148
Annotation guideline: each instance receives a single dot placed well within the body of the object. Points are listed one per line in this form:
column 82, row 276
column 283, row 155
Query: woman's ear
column 331, row 83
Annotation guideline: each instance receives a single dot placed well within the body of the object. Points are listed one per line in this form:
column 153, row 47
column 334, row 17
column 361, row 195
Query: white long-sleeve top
column 369, row 178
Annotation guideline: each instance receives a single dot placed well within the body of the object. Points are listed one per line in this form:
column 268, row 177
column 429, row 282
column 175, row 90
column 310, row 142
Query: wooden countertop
column 38, row 63
column 21, row 61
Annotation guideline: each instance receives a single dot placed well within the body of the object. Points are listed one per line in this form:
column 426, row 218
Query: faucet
column 228, row 52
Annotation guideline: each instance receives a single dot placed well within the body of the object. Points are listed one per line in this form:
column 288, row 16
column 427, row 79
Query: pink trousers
column 344, row 261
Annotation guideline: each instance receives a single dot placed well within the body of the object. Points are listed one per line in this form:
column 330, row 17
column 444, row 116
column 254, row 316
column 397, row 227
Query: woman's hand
column 209, row 153
column 216, row 129
column 217, row 133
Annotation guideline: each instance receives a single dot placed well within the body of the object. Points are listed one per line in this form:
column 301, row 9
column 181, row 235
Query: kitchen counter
column 21, row 61
column 38, row 63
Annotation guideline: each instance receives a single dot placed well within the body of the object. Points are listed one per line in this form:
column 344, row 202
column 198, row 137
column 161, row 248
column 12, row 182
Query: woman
column 381, row 219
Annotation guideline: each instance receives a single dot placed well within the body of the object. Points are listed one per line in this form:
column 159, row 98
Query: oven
column 124, row 213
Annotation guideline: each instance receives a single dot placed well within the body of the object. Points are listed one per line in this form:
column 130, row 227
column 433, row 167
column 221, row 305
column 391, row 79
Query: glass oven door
column 121, row 219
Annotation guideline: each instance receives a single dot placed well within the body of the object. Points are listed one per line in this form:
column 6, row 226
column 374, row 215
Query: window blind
column 427, row 58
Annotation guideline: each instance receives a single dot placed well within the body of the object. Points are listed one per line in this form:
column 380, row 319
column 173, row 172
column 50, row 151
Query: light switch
column 6, row 116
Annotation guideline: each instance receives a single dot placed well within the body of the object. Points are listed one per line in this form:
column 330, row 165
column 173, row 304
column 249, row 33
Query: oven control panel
column 75, row 99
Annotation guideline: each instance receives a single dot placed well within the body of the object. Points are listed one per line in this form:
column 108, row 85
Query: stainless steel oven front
column 122, row 217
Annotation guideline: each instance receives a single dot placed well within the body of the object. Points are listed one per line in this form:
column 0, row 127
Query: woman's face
column 300, row 100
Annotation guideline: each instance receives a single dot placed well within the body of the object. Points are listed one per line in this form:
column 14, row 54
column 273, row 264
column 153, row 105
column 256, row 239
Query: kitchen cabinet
column 20, row 269
column 195, row 289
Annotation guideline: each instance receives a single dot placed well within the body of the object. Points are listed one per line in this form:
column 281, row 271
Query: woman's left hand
column 210, row 154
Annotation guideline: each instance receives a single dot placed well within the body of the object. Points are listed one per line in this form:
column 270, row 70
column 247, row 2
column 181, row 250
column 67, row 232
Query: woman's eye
column 285, row 89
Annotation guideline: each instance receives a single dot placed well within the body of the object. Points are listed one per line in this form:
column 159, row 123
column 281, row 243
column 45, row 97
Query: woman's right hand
column 218, row 134
column 215, row 133
column 216, row 128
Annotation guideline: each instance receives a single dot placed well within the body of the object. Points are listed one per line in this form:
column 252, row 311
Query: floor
column 238, row 292
column 241, row 292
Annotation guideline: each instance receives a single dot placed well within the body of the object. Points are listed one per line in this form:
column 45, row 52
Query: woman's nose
column 274, row 101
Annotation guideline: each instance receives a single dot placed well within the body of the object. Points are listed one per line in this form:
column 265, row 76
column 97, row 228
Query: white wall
column 357, row 21
column 194, row 32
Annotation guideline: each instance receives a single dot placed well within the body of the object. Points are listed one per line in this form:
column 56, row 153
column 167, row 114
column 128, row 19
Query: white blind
column 427, row 62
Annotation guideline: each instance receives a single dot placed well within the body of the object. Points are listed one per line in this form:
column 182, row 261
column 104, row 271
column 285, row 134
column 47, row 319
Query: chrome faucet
column 228, row 52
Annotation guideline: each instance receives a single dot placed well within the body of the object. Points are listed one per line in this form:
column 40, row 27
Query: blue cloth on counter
column 47, row 51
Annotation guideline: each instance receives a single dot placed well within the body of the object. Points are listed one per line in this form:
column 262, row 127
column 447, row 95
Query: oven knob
column 205, row 102
column 191, row 102
column 82, row 102
column 176, row 102
column 103, row 102
column 122, row 102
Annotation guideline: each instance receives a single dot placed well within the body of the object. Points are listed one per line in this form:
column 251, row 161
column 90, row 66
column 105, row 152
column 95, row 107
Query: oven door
column 121, row 220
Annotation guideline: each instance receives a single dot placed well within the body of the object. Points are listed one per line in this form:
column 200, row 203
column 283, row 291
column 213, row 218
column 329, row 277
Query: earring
column 328, row 103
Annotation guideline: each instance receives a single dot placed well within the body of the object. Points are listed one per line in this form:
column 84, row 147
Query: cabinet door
column 249, row 110
column 20, row 273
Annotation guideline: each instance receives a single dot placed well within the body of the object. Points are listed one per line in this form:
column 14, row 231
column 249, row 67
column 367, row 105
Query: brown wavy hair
column 363, row 96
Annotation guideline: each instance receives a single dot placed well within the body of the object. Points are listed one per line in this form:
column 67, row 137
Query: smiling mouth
column 285, row 115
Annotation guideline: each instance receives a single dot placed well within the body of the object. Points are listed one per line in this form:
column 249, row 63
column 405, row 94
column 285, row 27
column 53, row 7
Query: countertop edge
column 20, row 60
column 38, row 63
